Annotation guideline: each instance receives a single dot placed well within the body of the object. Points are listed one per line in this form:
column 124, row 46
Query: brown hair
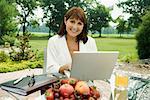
column 78, row 13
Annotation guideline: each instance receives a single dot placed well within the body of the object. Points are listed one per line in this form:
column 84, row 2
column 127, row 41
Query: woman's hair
column 78, row 13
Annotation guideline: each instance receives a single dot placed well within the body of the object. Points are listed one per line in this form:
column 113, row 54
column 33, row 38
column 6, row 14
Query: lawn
column 38, row 44
column 126, row 46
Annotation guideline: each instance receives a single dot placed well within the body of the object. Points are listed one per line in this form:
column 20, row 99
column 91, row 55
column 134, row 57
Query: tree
column 143, row 38
column 53, row 13
column 128, row 26
column 121, row 25
column 137, row 8
column 98, row 17
column 79, row 3
column 26, row 8
column 8, row 13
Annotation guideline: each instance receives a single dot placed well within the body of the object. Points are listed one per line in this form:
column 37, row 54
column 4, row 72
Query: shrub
column 3, row 56
column 9, row 39
column 23, row 51
column 143, row 38
column 1, row 41
column 15, row 66
column 127, row 58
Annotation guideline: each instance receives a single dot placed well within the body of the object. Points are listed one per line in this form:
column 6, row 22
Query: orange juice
column 121, row 81
column 121, row 86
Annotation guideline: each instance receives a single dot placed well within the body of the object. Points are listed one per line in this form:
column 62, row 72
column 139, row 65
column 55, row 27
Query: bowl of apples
column 72, row 89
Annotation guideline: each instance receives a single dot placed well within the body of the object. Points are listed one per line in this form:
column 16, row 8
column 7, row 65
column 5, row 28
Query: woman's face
column 74, row 26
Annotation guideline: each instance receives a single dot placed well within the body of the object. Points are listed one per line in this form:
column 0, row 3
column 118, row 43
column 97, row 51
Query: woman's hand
column 64, row 67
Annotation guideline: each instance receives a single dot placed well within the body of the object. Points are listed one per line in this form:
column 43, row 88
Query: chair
column 45, row 61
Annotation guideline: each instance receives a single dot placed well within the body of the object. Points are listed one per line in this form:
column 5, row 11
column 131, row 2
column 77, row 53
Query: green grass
column 38, row 44
column 125, row 46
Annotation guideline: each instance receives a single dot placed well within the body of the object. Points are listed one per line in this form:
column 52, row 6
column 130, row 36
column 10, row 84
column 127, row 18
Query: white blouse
column 58, row 53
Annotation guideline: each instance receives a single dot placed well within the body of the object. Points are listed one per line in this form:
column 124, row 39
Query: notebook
column 93, row 65
column 22, row 87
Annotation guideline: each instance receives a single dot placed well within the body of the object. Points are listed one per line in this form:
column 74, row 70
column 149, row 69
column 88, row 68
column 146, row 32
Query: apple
column 72, row 81
column 66, row 90
column 64, row 81
column 82, row 88
column 49, row 94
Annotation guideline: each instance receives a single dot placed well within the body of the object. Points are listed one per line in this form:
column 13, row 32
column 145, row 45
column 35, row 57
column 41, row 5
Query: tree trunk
column 100, row 35
column 49, row 28
column 23, row 28
column 49, row 35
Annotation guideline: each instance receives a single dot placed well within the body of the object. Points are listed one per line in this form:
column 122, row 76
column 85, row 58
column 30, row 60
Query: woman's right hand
column 64, row 67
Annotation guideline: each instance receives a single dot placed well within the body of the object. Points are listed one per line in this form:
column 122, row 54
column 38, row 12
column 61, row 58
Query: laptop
column 93, row 65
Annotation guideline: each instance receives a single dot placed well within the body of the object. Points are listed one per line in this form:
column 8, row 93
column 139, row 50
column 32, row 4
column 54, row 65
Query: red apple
column 72, row 81
column 82, row 87
column 64, row 81
column 66, row 90
column 49, row 94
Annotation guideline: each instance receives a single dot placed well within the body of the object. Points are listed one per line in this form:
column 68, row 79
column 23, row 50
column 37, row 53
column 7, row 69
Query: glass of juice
column 121, row 80
column 121, row 85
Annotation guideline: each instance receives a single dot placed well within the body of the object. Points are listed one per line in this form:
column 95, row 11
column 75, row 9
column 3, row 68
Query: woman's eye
column 80, row 23
column 72, row 21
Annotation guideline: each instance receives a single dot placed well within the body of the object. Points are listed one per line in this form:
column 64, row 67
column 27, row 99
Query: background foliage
column 143, row 38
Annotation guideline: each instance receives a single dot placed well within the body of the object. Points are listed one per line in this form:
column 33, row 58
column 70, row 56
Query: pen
column 18, row 80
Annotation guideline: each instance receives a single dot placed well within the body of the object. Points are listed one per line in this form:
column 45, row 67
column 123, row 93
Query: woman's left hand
column 64, row 67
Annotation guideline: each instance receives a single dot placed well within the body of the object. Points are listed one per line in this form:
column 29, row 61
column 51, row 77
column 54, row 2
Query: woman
column 72, row 36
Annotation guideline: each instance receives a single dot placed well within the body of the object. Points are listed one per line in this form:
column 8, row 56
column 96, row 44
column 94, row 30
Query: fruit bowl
column 72, row 89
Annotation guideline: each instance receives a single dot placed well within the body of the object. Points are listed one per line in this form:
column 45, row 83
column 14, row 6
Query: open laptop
column 93, row 65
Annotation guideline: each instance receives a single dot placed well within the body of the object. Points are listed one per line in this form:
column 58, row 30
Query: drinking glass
column 121, row 86
column 121, row 80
